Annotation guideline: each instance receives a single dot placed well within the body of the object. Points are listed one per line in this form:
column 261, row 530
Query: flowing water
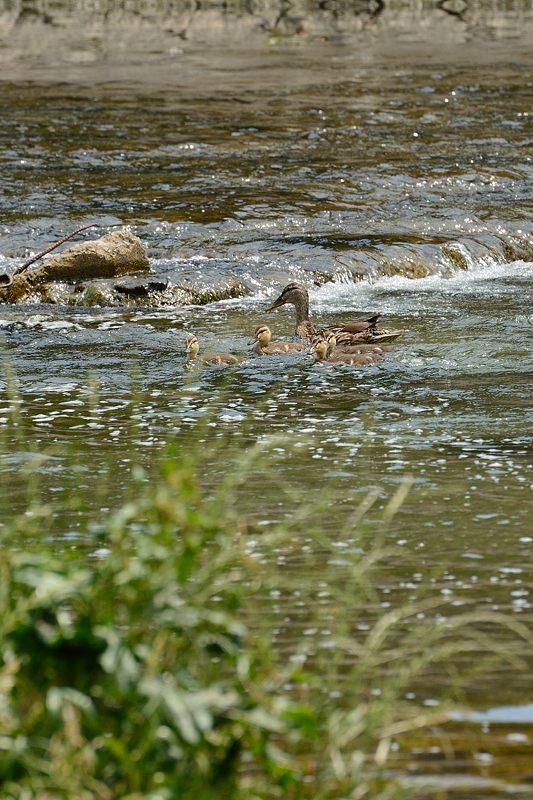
column 392, row 180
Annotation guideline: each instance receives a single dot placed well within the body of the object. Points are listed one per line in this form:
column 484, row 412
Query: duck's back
column 358, row 326
column 222, row 358
column 282, row 348
column 362, row 348
column 355, row 359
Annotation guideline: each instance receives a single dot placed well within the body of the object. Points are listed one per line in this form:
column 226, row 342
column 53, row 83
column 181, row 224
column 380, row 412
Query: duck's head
column 191, row 346
column 331, row 341
column 292, row 293
column 263, row 335
column 321, row 348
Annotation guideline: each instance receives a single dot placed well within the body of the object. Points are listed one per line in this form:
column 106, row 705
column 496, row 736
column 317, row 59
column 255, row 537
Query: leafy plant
column 146, row 669
column 122, row 676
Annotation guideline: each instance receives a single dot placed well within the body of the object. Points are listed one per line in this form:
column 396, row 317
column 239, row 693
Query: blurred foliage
column 121, row 677
column 145, row 669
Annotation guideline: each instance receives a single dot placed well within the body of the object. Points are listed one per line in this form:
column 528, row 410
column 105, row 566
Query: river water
column 385, row 179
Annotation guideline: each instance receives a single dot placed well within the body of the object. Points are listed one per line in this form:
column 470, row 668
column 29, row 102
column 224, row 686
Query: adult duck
column 346, row 333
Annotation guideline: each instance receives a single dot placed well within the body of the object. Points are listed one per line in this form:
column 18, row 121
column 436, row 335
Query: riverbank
column 93, row 38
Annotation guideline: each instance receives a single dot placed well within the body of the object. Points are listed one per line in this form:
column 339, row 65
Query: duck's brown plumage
column 193, row 346
column 264, row 347
column 325, row 346
column 347, row 333
column 364, row 348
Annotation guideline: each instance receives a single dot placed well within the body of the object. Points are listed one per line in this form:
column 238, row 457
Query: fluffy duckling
column 352, row 349
column 325, row 346
column 263, row 347
column 193, row 346
column 347, row 332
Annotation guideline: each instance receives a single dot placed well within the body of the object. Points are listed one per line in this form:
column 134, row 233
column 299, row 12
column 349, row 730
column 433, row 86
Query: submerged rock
column 115, row 254
column 141, row 289
column 151, row 293
column 86, row 275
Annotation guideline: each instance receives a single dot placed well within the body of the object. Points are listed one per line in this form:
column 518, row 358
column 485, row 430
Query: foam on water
column 393, row 292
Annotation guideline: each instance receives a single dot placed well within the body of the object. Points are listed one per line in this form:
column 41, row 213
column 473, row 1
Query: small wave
column 340, row 295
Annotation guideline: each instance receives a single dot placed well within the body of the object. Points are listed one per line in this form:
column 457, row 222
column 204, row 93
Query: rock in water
column 115, row 254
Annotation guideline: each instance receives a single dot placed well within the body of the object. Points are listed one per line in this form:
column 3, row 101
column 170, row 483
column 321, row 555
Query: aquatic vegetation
column 144, row 668
column 213, row 294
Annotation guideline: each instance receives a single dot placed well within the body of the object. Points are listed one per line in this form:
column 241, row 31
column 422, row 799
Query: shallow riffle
column 385, row 180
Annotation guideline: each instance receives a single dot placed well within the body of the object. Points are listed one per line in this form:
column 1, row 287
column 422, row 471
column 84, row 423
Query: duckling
column 346, row 332
column 263, row 347
column 193, row 346
column 362, row 348
column 324, row 352
column 363, row 354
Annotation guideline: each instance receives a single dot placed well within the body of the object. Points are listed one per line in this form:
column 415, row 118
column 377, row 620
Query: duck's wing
column 369, row 336
column 356, row 326
column 382, row 335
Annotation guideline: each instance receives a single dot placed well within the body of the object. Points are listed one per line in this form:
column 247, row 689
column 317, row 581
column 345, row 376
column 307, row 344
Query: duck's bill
column 277, row 303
